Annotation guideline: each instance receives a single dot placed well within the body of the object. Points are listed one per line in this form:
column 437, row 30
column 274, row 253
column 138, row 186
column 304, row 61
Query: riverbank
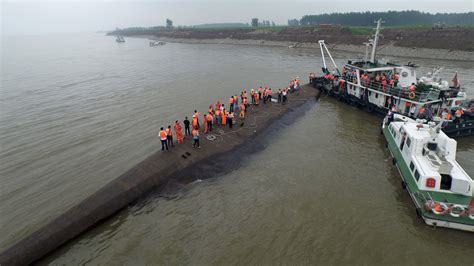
column 389, row 50
column 151, row 173
column 454, row 43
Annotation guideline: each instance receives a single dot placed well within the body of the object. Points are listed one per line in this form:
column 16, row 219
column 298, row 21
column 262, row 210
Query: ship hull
column 451, row 129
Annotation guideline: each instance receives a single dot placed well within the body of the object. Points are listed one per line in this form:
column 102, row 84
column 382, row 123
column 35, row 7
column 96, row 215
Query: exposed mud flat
column 387, row 50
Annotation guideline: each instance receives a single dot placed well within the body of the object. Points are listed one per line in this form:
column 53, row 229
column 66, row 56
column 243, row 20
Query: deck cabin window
column 446, row 181
column 412, row 166
column 408, row 142
column 376, row 95
column 370, row 93
column 417, row 175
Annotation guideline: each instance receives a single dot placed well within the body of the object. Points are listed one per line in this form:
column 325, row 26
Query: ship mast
column 375, row 40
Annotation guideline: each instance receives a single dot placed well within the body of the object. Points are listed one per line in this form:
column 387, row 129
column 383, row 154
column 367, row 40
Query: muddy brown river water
column 77, row 111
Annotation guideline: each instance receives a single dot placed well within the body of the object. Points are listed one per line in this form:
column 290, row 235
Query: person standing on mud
column 179, row 132
column 279, row 95
column 284, row 95
column 242, row 116
column 163, row 139
column 196, row 113
column 196, row 138
column 269, row 95
column 209, row 120
column 218, row 116
column 230, row 118
column 169, row 136
column 186, row 127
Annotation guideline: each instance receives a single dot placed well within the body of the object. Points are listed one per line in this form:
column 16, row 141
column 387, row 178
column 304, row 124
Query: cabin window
column 408, row 142
column 376, row 95
column 412, row 166
column 417, row 175
column 370, row 93
column 446, row 181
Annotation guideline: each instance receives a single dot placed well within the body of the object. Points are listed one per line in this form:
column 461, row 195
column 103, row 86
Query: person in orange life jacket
column 242, row 107
column 257, row 99
column 196, row 113
column 209, row 119
column 224, row 117
column 396, row 77
column 244, row 95
column 458, row 114
column 179, row 131
column 218, row 105
column 242, row 116
column 231, row 104
column 218, row 116
column 269, row 95
column 194, row 122
column 421, row 112
column 252, row 96
column 260, row 92
column 196, row 138
column 211, row 109
column 186, row 123
column 163, row 139
column 169, row 136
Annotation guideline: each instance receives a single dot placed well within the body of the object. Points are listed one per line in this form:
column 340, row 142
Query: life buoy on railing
column 429, row 205
column 412, row 95
column 456, row 210
column 440, row 208
column 471, row 214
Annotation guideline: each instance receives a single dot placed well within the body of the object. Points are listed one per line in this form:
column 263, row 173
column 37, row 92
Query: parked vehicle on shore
column 157, row 43
column 119, row 39
column 379, row 86
column 426, row 159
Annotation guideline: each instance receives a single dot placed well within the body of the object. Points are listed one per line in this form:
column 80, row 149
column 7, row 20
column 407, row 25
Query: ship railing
column 401, row 92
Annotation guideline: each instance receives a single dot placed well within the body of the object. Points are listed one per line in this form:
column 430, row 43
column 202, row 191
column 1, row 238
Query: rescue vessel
column 378, row 85
column 426, row 159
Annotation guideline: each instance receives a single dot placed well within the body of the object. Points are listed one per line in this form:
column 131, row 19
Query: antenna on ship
column 367, row 45
column 375, row 41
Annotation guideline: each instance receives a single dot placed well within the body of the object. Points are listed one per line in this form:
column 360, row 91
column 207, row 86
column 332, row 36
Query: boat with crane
column 378, row 85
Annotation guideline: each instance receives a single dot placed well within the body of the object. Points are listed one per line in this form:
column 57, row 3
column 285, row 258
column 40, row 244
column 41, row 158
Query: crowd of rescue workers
column 218, row 116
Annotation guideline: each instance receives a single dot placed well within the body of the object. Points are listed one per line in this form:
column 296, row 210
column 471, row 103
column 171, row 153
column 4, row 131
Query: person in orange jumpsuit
column 224, row 117
column 179, row 132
